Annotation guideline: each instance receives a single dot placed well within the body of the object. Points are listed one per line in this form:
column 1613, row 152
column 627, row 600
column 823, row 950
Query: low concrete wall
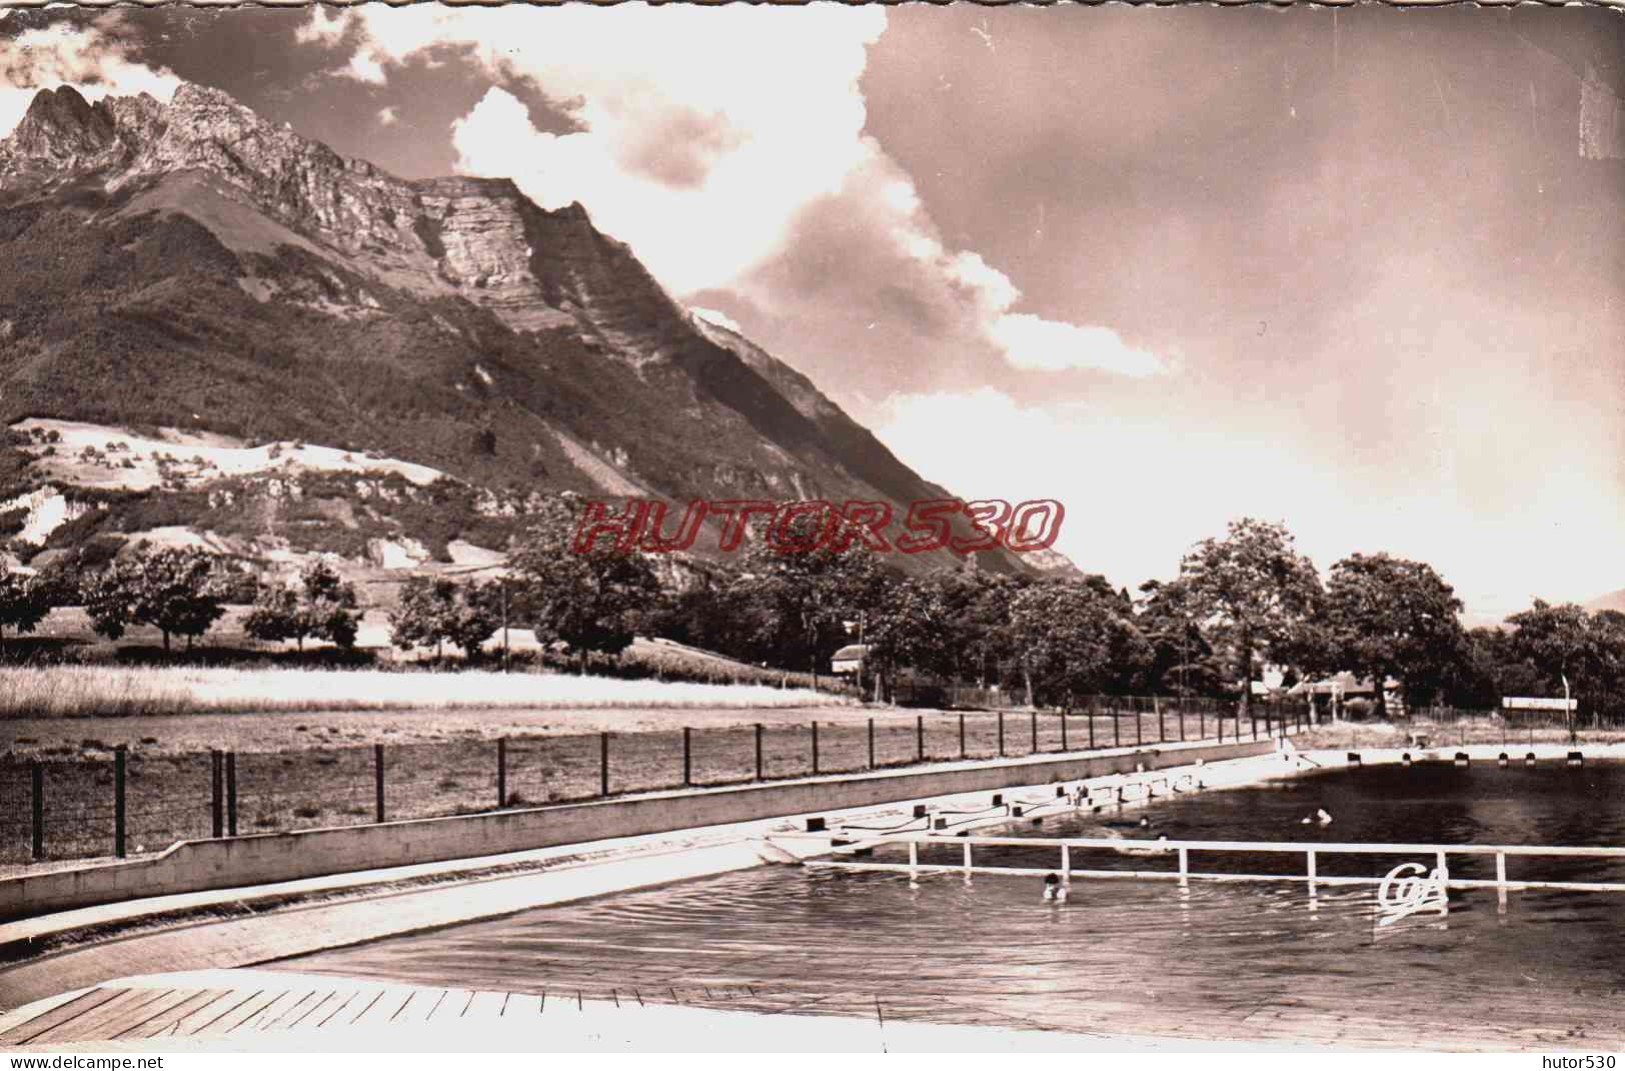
column 195, row 866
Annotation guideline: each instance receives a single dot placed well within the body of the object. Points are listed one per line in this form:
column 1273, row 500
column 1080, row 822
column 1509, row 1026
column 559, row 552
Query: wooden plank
column 63, row 1013
column 226, row 1008
column 260, row 1012
column 321, row 1006
column 288, row 1012
column 363, row 1008
column 203, row 1014
column 103, row 1022
column 166, row 1019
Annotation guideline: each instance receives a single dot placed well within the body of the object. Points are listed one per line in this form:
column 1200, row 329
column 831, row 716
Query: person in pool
column 1053, row 889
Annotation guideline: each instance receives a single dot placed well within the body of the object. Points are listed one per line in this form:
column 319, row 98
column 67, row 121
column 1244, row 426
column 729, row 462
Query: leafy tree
column 591, row 600
column 1388, row 616
column 175, row 590
column 1560, row 641
column 1182, row 660
column 435, row 611
column 323, row 608
column 24, row 601
column 905, row 626
column 1253, row 588
column 1074, row 636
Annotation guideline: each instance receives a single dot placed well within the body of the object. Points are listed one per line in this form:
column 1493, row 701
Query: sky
column 1358, row 271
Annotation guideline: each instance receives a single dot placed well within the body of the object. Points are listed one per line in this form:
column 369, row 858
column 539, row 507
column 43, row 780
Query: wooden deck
column 295, row 1004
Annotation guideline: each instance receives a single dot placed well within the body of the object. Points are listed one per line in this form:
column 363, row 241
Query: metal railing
column 1180, row 852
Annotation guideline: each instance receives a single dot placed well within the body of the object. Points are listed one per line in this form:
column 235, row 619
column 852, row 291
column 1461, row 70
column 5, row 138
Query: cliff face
column 201, row 233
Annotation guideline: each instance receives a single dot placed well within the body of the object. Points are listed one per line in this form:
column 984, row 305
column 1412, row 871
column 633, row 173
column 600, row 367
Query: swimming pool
column 1215, row 960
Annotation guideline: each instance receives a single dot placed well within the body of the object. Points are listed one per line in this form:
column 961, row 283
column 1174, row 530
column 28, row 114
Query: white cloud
column 1044, row 345
column 90, row 58
column 389, row 116
column 703, row 139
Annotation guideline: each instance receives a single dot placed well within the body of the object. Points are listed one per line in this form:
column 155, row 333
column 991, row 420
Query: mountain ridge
column 198, row 255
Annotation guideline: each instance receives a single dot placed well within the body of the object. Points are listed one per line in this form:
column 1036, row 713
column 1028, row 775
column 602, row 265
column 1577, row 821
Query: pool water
column 1250, row 961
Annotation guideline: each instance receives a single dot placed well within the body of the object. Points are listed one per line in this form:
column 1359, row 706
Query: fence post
column 1117, row 729
column 1063, row 732
column 919, row 736
column 962, row 736
column 231, row 793
column 603, row 764
column 871, row 743
column 1001, row 734
column 1034, row 732
column 378, row 781
column 1162, row 731
column 119, row 758
column 1252, row 716
column 217, row 794
column 37, row 772
column 1201, row 723
column 502, row 771
column 1094, row 708
column 688, row 756
column 815, row 745
column 758, row 752
column 1181, row 719
column 1139, row 726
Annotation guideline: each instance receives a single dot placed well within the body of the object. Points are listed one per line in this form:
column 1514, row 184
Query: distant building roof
column 852, row 652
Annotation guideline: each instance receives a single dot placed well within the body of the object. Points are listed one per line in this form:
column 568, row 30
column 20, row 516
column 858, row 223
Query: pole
column 758, row 752
column 1063, row 732
column 1034, row 750
column 962, row 736
column 378, row 781
column 815, row 745
column 1117, row 729
column 1181, row 719
column 119, row 759
column 503, row 582
column 231, row 793
column 919, row 737
column 871, row 743
column 1162, row 728
column 217, row 794
column 1093, row 708
column 688, row 756
column 502, row 771
column 1001, row 734
column 37, row 773
column 603, row 764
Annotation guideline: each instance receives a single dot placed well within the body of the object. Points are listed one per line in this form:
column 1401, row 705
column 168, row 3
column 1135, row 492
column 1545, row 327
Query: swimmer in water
column 1053, row 889
column 1319, row 817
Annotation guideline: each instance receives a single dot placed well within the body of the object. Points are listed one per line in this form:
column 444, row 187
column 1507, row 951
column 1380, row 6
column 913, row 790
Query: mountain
column 1614, row 600
column 212, row 326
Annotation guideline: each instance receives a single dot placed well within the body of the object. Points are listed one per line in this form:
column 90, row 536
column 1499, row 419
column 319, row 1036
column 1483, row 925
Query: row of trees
column 1239, row 600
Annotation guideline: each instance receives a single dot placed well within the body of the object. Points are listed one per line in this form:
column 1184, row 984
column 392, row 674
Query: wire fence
column 1458, row 726
column 128, row 801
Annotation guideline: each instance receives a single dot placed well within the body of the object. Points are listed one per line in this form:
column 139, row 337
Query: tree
column 1388, row 616
column 1560, row 641
column 435, row 611
column 1182, row 660
column 1074, row 636
column 175, row 590
column 24, row 601
column 805, row 598
column 323, row 608
column 905, row 626
column 1253, row 588
column 592, row 599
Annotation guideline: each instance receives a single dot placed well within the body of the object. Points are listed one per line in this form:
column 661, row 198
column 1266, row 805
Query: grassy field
column 80, row 691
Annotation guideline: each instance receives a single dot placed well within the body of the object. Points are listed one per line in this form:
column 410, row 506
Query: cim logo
column 1409, row 888
column 802, row 527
